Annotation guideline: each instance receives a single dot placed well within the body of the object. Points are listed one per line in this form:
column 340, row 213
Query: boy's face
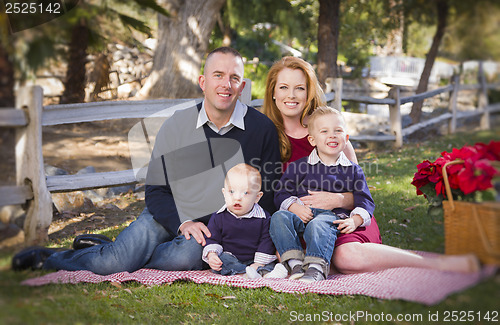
column 241, row 193
column 222, row 82
column 329, row 137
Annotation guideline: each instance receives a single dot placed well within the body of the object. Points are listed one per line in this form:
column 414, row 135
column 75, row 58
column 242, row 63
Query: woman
column 292, row 93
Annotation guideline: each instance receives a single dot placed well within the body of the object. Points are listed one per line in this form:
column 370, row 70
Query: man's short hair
column 225, row 50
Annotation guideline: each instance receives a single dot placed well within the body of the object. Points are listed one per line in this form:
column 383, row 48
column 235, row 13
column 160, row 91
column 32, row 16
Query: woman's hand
column 303, row 212
column 328, row 200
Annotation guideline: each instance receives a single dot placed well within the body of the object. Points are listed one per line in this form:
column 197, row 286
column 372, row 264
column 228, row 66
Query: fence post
column 335, row 85
column 246, row 93
column 395, row 117
column 29, row 166
column 452, row 106
column 482, row 100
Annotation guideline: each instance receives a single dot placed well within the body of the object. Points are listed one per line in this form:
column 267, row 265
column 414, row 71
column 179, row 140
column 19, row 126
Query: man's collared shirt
column 236, row 119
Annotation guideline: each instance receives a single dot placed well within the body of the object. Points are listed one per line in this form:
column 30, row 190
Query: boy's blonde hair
column 245, row 169
column 322, row 111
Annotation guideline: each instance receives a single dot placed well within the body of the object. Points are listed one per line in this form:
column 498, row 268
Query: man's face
column 222, row 82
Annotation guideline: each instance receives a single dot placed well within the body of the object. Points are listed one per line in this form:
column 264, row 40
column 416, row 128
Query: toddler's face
column 241, row 193
column 329, row 136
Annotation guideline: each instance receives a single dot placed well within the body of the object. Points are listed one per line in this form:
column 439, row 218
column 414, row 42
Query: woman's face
column 290, row 92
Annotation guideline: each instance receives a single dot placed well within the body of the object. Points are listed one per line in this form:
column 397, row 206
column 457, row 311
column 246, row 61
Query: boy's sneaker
column 297, row 272
column 312, row 275
column 279, row 272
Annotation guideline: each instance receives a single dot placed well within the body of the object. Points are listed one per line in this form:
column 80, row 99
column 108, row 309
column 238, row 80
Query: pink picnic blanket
column 412, row 284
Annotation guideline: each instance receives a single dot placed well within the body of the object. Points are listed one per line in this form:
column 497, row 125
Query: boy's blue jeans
column 143, row 244
column 231, row 265
column 319, row 234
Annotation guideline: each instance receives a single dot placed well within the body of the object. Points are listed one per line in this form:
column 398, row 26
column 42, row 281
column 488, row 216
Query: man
column 193, row 150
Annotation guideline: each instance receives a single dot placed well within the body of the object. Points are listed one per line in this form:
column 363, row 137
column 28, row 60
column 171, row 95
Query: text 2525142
column 46, row 7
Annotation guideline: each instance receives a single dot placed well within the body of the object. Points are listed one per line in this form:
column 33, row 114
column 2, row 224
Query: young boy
column 325, row 169
column 240, row 240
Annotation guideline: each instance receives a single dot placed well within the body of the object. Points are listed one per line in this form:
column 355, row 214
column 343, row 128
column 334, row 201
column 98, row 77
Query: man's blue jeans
column 143, row 244
column 319, row 234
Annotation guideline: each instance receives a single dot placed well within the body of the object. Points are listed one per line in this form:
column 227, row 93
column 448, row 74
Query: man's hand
column 214, row 261
column 195, row 229
column 303, row 212
column 328, row 200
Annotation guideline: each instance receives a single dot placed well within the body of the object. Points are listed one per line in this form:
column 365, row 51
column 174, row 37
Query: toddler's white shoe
column 252, row 273
column 279, row 272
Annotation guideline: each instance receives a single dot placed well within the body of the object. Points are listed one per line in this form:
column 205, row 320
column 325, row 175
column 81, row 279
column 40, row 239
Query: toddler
column 240, row 241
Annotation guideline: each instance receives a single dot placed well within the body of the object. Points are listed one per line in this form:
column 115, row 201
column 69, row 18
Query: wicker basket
column 471, row 227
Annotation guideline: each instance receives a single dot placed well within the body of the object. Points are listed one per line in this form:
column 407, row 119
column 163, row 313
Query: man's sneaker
column 297, row 272
column 279, row 272
column 312, row 275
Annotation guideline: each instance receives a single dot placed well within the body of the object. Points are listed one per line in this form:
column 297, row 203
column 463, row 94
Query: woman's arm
column 328, row 200
column 350, row 153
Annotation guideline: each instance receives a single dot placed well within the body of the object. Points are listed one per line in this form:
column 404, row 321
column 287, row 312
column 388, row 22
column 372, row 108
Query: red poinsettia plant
column 470, row 180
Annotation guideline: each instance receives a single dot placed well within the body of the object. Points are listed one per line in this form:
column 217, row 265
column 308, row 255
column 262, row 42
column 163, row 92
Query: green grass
column 389, row 171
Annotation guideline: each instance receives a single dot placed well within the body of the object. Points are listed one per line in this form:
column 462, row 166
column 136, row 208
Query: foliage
column 107, row 21
column 255, row 24
column 257, row 74
column 257, row 43
column 288, row 20
column 403, row 221
column 419, row 39
column 360, row 32
column 473, row 31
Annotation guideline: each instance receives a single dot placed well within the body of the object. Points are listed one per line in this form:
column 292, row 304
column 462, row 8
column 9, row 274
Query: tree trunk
column 442, row 11
column 182, row 43
column 6, row 79
column 328, row 35
column 74, row 84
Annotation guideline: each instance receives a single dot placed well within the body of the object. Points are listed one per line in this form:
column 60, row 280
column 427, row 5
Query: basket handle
column 447, row 183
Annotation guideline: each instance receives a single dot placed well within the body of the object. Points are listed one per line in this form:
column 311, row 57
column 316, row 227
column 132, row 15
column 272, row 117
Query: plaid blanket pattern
column 424, row 286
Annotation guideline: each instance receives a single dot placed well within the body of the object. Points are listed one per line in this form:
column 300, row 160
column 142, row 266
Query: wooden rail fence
column 33, row 189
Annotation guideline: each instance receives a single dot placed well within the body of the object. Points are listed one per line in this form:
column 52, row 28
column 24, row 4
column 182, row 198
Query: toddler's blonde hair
column 245, row 169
